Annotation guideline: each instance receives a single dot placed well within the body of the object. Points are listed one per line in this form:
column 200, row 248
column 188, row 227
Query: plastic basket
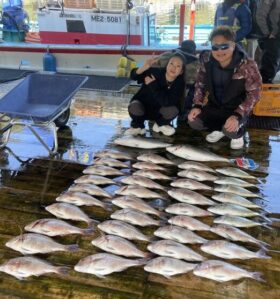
column 269, row 104
column 86, row 4
column 13, row 35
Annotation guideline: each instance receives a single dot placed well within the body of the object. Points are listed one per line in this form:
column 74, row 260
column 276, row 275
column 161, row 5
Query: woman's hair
column 224, row 31
column 179, row 55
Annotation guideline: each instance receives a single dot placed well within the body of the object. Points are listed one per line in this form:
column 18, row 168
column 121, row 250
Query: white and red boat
column 86, row 39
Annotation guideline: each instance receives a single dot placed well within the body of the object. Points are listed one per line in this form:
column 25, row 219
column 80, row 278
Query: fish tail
column 257, row 276
column 152, row 239
column 163, row 215
column 72, row 247
column 265, row 218
column 62, row 270
column 93, row 223
column 148, row 255
column 262, row 254
column 162, row 222
column 143, row 261
column 266, row 226
column 263, row 244
column 87, row 231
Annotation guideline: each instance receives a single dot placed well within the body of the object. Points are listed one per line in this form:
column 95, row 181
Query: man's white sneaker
column 237, row 143
column 135, row 131
column 214, row 136
column 165, row 130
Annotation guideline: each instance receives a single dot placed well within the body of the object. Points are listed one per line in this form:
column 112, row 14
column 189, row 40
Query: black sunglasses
column 222, row 47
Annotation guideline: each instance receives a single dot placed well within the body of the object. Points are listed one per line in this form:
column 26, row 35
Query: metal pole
column 182, row 22
column 192, row 20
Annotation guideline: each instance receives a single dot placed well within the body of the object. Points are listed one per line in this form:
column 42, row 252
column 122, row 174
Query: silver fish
column 235, row 199
column 90, row 189
column 187, row 209
column 233, row 210
column 189, row 196
column 134, row 217
column 67, row 211
column 188, row 222
column 141, row 142
column 229, row 250
column 142, row 181
column 101, row 264
column 195, row 165
column 179, row 234
column 118, row 246
column 152, row 174
column 154, row 158
column 168, row 266
column 110, row 162
column 113, row 154
column 190, row 184
column 122, row 229
column 137, row 191
column 36, row 243
column 234, row 234
column 135, row 203
column 94, row 179
column 80, row 199
column 233, row 181
column 198, row 175
column 235, row 190
column 55, row 227
column 174, row 249
column 102, row 170
column 22, row 267
column 222, row 271
column 189, row 152
column 235, row 172
column 237, row 221
column 148, row 166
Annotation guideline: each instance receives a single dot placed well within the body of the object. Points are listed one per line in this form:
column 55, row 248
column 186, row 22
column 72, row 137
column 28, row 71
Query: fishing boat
column 83, row 37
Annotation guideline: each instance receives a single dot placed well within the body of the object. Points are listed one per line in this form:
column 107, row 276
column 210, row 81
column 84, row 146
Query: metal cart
column 41, row 99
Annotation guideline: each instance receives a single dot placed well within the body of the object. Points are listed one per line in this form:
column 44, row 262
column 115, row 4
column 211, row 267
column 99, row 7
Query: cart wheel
column 62, row 120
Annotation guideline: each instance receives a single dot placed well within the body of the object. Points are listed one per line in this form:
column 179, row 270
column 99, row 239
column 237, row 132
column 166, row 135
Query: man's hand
column 149, row 79
column 232, row 124
column 193, row 114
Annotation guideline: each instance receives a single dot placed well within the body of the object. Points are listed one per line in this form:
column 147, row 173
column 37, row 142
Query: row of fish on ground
column 176, row 222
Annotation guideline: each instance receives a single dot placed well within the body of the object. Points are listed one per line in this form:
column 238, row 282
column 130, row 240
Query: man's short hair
column 188, row 46
column 224, row 31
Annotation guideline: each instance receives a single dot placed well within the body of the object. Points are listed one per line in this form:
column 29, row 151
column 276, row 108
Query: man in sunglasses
column 227, row 88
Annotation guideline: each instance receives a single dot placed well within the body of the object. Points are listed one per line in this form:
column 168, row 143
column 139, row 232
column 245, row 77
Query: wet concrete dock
column 31, row 179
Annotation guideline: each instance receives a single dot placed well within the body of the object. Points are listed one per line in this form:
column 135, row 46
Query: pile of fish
column 177, row 245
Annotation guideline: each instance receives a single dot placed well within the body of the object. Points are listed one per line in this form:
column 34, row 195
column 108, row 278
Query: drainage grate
column 264, row 122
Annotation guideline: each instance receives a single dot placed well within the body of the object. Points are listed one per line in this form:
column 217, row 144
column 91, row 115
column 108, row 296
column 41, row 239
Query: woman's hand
column 150, row 61
column 149, row 79
column 193, row 114
column 147, row 64
column 232, row 124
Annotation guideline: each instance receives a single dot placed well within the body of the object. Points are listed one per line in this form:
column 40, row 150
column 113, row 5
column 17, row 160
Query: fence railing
column 169, row 34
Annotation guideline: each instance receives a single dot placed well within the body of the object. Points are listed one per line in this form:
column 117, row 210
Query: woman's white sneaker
column 237, row 143
column 215, row 136
column 165, row 130
column 135, row 131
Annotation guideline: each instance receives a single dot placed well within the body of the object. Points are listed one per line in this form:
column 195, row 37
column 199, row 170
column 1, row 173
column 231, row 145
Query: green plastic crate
column 13, row 35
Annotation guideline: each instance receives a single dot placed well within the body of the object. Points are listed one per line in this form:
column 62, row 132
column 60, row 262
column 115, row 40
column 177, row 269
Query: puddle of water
column 96, row 120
